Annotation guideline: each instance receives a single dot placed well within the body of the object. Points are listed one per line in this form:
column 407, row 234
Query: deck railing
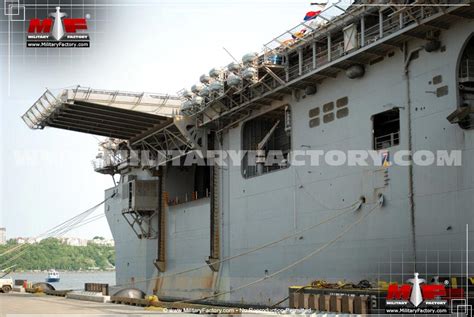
column 387, row 140
column 339, row 30
column 40, row 110
column 386, row 26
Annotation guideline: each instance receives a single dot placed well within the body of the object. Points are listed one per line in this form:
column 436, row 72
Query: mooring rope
column 356, row 205
column 301, row 260
column 57, row 231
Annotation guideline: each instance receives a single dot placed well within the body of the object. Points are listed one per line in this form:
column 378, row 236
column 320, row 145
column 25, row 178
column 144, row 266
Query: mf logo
column 60, row 32
column 416, row 292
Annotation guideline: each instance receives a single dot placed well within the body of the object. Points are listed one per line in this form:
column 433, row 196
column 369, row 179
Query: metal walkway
column 362, row 35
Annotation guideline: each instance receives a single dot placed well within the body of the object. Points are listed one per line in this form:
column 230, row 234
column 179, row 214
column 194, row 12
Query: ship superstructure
column 377, row 76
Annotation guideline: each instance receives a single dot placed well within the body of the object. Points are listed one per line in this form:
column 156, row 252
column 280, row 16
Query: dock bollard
column 152, row 299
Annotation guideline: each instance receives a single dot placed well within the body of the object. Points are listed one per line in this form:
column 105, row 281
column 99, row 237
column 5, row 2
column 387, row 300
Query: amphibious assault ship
column 373, row 75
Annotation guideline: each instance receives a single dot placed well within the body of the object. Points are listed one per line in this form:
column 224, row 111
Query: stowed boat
column 53, row 276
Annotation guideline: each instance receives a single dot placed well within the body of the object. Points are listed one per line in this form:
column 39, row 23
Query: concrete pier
column 24, row 303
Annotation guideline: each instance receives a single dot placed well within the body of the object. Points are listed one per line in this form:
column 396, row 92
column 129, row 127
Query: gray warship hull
column 415, row 73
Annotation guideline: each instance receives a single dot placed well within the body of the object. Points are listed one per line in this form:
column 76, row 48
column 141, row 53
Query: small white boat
column 53, row 276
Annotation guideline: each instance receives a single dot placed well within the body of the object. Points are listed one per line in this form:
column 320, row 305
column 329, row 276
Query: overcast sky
column 159, row 46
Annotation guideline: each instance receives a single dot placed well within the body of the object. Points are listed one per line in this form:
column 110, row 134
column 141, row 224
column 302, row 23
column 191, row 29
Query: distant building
column 32, row 240
column 21, row 240
column 102, row 241
column 77, row 242
column 3, row 236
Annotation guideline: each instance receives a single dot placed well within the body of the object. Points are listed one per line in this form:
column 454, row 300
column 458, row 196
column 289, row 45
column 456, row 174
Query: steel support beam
column 215, row 223
column 160, row 262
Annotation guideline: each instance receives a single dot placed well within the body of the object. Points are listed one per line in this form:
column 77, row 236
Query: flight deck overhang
column 101, row 120
column 106, row 113
column 146, row 122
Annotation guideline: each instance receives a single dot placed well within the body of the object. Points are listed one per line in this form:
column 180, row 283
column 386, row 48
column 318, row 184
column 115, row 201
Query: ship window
column 328, row 107
column 341, row 113
column 314, row 122
column 442, row 91
column 342, row 102
column 437, row 80
column 386, row 129
column 328, row 117
column 266, row 143
column 314, row 112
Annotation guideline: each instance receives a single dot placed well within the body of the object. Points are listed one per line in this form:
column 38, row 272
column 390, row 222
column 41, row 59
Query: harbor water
column 69, row 280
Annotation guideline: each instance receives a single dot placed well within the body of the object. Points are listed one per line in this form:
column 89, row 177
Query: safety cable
column 59, row 227
column 308, row 256
column 57, row 231
column 356, row 205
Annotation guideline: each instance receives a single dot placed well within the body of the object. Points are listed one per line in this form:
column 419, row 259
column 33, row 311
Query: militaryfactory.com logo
column 62, row 32
column 416, row 298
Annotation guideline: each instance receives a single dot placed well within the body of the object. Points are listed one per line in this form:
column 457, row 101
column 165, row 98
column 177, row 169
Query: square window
column 314, row 122
column 341, row 113
column 314, row 112
column 328, row 107
column 342, row 102
column 328, row 117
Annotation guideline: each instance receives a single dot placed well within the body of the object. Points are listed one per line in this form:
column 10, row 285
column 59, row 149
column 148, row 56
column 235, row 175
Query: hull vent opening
column 266, row 140
column 386, row 129
column 464, row 114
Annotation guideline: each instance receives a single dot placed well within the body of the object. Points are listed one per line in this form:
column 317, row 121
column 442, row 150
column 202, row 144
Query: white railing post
column 314, row 55
column 380, row 23
column 300, row 61
column 329, row 48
